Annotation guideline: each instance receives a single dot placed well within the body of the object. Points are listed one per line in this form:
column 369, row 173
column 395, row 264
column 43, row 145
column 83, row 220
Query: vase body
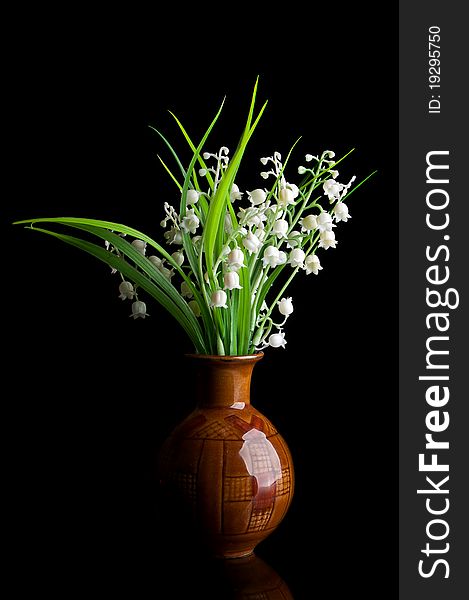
column 226, row 464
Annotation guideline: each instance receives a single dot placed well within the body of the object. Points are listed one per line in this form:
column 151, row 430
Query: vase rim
column 245, row 358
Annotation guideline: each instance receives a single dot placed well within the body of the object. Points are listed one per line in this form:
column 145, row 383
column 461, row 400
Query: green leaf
column 132, row 274
column 220, row 198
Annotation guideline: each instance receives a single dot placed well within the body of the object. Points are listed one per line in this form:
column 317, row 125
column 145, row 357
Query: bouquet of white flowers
column 221, row 274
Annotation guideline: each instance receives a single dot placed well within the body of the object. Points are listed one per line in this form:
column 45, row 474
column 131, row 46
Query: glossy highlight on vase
column 225, row 465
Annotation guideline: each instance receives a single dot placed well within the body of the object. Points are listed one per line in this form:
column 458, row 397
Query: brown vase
column 226, row 464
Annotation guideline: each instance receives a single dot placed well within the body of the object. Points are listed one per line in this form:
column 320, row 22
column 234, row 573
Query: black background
column 91, row 394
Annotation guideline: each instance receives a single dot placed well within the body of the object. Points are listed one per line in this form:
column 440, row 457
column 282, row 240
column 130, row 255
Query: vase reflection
column 251, row 577
column 244, row 578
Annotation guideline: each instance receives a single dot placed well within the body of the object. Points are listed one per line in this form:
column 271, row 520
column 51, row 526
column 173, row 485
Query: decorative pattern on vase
column 234, row 473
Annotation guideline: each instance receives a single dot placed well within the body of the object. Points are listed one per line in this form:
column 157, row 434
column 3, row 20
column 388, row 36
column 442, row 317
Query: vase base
column 239, row 554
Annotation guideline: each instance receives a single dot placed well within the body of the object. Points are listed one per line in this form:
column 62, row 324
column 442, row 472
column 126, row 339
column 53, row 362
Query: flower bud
column 192, row 197
column 285, row 306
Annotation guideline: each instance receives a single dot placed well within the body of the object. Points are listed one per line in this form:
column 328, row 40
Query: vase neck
column 222, row 381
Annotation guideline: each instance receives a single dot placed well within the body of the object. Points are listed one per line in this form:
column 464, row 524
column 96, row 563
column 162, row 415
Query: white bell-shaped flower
column 156, row 261
column 139, row 310
column 257, row 197
column 126, row 290
column 186, row 291
column 190, row 222
column 324, row 221
column 140, row 245
column 178, row 257
column 235, row 194
column 173, row 236
column 218, row 299
column 309, row 223
column 231, row 280
column 228, row 223
column 341, row 212
column 235, row 259
column 277, row 340
column 285, row 197
column 168, row 273
column 192, row 197
column 297, row 257
column 312, row 264
column 332, row 189
column 285, row 306
column 273, row 257
column 294, row 239
column 327, row 240
column 280, row 228
column 252, row 243
column 195, row 308
column 294, row 189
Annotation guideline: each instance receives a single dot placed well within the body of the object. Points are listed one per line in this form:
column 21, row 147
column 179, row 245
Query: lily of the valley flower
column 280, row 228
column 273, row 257
column 190, row 222
column 286, row 197
column 140, row 245
column 257, row 197
column 126, row 290
column 327, row 240
column 312, row 264
column 297, row 257
column 309, row 223
column 218, row 299
column 173, row 236
column 195, row 308
column 252, row 243
column 332, row 189
column 324, row 221
column 231, row 280
column 178, row 257
column 139, row 310
column 294, row 239
column 156, row 261
column 235, row 194
column 186, row 291
column 285, row 306
column 235, row 259
column 341, row 212
column 192, row 197
column 168, row 273
column 277, row 340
